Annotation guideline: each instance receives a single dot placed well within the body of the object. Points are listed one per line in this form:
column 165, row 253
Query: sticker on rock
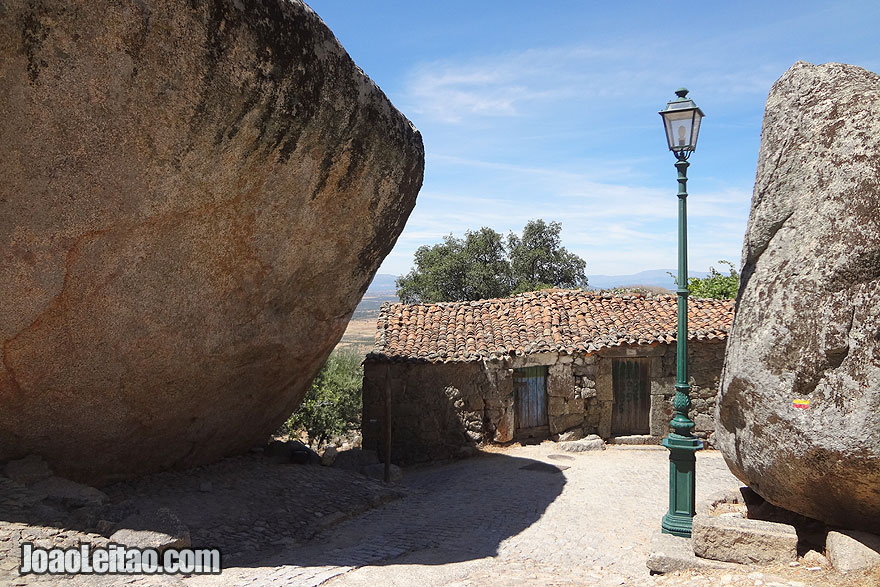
column 803, row 404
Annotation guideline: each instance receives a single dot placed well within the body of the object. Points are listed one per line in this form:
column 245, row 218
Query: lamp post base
column 682, row 484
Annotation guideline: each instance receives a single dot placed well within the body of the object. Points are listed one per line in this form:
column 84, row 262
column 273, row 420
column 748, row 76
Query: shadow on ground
column 261, row 513
column 451, row 513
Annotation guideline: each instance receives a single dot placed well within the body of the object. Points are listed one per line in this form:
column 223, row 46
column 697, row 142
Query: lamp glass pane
column 696, row 130
column 678, row 129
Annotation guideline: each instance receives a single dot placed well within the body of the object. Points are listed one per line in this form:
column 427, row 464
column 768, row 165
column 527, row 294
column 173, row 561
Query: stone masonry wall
column 705, row 360
column 438, row 408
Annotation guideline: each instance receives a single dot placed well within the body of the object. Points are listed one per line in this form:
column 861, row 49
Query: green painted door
column 632, row 397
column 530, row 386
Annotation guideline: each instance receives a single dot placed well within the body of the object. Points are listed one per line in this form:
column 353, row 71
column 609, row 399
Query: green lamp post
column 682, row 121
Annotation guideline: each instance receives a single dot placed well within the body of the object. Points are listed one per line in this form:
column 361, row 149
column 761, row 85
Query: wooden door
column 632, row 397
column 530, row 386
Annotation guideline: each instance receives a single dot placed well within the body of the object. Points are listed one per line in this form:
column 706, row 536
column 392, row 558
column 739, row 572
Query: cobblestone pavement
column 248, row 507
column 522, row 516
column 515, row 518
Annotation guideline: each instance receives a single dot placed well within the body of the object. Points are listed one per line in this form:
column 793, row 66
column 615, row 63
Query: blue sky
column 549, row 110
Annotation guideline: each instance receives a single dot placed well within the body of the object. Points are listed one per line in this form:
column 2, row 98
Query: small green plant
column 715, row 285
column 332, row 405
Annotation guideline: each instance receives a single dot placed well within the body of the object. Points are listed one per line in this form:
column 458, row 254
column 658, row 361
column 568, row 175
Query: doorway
column 530, row 388
column 632, row 397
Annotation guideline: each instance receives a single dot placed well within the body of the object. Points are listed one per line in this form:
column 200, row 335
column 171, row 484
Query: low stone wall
column 438, row 408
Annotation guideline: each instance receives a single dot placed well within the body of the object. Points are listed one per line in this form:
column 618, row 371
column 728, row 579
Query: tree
column 482, row 266
column 538, row 261
column 332, row 404
column 715, row 285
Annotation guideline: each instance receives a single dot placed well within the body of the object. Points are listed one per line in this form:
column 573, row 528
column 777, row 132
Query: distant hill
column 652, row 277
column 381, row 290
column 383, row 283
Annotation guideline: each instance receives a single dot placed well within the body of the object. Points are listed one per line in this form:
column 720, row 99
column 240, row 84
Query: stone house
column 536, row 365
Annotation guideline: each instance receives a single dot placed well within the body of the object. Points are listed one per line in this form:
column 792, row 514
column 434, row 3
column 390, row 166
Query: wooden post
column 387, row 424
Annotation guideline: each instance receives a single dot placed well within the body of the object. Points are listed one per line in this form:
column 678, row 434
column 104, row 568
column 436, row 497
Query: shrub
column 332, row 405
column 716, row 285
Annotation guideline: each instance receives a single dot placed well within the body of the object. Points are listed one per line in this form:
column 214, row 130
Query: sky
column 549, row 110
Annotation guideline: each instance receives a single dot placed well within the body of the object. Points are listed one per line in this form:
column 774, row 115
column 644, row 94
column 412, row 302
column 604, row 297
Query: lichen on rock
column 798, row 416
column 195, row 197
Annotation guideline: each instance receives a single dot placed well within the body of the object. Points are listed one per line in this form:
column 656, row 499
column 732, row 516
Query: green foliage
column 482, row 265
column 538, row 260
column 332, row 405
column 716, row 285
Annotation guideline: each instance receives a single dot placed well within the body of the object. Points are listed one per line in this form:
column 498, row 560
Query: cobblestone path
column 517, row 515
column 525, row 515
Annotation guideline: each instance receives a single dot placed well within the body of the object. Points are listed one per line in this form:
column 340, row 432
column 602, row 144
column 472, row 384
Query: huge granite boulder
column 194, row 197
column 798, row 417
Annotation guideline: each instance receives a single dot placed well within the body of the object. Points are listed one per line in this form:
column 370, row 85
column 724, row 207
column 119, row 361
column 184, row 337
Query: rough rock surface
column 590, row 443
column 195, row 196
column 852, row 550
column 740, row 540
column 161, row 530
column 807, row 325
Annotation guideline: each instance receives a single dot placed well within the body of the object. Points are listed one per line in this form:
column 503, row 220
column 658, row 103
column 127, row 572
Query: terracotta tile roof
column 551, row 320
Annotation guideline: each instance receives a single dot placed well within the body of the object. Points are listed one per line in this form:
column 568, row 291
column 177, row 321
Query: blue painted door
column 530, row 386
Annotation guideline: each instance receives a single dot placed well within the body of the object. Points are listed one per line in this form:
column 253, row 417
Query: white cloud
column 616, row 228
column 518, row 83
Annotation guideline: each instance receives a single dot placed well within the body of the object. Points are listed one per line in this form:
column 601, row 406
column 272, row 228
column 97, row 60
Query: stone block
column 670, row 554
column 740, row 540
column 851, row 550
column 161, row 530
column 329, row 456
column 565, row 422
column 574, row 406
column 588, row 444
column 555, row 406
column 703, row 422
column 569, row 435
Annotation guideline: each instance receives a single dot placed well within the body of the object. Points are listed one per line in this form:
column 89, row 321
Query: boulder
column 69, row 492
column 195, row 197
column 355, row 459
column 28, row 470
column 291, row 451
column 798, row 413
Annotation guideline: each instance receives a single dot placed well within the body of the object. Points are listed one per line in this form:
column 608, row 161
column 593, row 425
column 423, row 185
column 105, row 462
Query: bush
column 716, row 285
column 332, row 405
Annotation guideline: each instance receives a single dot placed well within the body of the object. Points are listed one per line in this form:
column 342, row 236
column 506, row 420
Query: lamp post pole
column 682, row 444
column 682, row 120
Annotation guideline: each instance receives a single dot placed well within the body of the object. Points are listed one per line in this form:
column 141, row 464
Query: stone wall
column 704, row 373
column 438, row 408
